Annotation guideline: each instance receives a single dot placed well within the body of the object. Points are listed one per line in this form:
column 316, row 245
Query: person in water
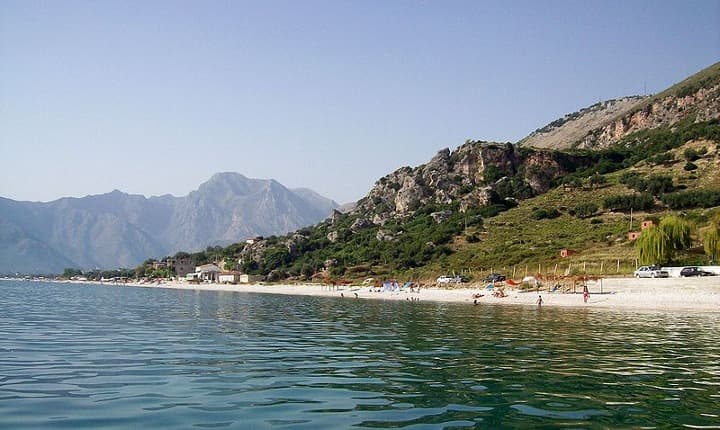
column 586, row 293
column 539, row 301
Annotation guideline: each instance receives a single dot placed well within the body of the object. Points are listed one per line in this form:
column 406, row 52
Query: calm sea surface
column 84, row 356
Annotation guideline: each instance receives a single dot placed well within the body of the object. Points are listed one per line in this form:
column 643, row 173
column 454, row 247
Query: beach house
column 181, row 265
column 208, row 272
column 232, row 277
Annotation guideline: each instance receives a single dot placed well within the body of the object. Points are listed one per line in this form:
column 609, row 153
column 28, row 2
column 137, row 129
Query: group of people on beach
column 501, row 293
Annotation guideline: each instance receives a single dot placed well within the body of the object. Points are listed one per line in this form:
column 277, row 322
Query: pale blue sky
column 153, row 97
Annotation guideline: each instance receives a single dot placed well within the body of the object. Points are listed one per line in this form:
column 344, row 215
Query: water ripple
column 82, row 356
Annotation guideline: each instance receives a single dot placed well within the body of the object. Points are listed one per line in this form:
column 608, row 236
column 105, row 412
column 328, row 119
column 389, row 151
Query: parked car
column 449, row 280
column 494, row 277
column 651, row 272
column 694, row 271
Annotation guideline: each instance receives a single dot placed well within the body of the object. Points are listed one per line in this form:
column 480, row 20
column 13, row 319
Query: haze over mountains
column 121, row 230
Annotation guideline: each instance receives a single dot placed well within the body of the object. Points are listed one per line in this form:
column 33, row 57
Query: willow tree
column 658, row 245
column 711, row 238
column 711, row 242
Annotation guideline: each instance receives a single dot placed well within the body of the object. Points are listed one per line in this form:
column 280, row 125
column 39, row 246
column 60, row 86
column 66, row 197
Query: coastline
column 664, row 294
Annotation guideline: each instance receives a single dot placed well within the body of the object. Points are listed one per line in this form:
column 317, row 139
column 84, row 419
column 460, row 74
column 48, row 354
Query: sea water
column 86, row 356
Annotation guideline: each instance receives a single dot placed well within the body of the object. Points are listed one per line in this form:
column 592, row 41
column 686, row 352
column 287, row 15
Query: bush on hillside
column 624, row 203
column 654, row 184
column 659, row 184
column 585, row 210
column 663, row 158
column 691, row 154
column 543, row 213
column 692, row 199
column 597, row 179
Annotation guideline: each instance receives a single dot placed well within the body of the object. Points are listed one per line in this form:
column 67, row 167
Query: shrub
column 596, row 221
column 643, row 201
column 572, row 182
column 541, row 213
column 585, row 210
column 634, row 181
column 491, row 210
column 691, row 154
column 597, row 179
column 692, row 199
column 662, row 158
column 690, row 166
column 492, row 174
column 659, row 184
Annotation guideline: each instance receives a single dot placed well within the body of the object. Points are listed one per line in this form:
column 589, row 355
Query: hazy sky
column 153, row 97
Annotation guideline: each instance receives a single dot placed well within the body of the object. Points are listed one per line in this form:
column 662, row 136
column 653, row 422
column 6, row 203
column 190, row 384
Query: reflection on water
column 82, row 356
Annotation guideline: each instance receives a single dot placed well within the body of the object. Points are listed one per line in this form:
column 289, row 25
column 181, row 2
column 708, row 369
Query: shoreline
column 700, row 294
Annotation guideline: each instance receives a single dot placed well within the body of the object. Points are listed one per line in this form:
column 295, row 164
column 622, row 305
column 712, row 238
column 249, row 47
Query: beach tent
column 391, row 286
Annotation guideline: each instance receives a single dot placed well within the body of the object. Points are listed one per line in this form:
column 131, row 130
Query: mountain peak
column 227, row 176
column 117, row 229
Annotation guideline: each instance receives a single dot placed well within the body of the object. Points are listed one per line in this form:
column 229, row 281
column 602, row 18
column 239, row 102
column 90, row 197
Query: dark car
column 694, row 271
column 494, row 277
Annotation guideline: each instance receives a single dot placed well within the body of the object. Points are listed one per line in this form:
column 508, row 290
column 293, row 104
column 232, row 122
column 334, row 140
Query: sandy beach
column 668, row 294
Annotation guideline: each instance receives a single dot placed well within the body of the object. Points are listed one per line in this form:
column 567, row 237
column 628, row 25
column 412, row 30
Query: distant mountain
column 121, row 230
column 604, row 124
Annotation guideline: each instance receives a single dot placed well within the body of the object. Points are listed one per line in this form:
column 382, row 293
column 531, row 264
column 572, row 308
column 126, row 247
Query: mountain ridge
column 605, row 124
column 118, row 229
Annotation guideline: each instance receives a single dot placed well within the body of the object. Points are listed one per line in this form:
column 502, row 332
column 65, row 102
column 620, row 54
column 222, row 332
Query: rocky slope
column 473, row 175
column 602, row 125
column 567, row 131
column 409, row 216
column 121, row 230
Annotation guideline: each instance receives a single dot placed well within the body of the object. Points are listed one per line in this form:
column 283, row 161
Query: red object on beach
column 511, row 282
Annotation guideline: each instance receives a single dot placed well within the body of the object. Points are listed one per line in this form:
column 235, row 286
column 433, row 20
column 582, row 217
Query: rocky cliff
column 602, row 125
column 475, row 174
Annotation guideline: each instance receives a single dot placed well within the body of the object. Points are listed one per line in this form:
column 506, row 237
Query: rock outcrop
column 470, row 175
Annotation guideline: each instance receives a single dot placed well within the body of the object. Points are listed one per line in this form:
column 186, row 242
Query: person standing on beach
column 586, row 293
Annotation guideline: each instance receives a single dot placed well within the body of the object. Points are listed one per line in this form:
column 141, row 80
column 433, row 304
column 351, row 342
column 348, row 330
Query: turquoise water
column 84, row 356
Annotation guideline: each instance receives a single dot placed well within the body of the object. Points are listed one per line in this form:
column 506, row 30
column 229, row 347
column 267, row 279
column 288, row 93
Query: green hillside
column 490, row 206
column 509, row 235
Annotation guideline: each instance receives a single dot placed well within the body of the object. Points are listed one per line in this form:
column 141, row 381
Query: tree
column 711, row 242
column 69, row 272
column 585, row 210
column 658, row 245
column 711, row 238
column 597, row 180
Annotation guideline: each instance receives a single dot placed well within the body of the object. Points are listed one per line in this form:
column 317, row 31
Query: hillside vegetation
column 488, row 206
column 589, row 210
